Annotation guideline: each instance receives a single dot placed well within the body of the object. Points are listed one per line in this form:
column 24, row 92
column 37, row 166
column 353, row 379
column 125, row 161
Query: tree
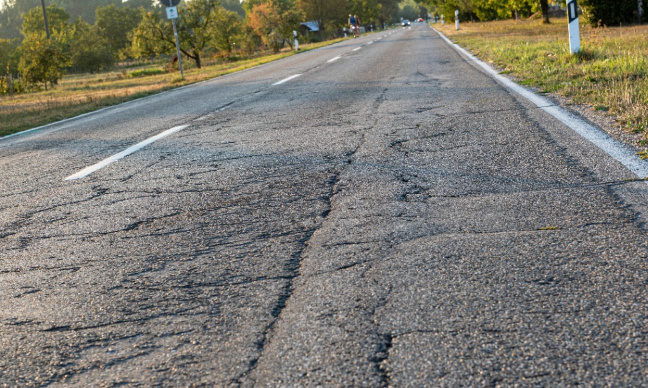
column 89, row 52
column 329, row 13
column 388, row 10
column 85, row 9
column 43, row 60
column 114, row 24
column 9, row 57
column 195, row 25
column 274, row 21
column 227, row 30
column 367, row 10
column 57, row 19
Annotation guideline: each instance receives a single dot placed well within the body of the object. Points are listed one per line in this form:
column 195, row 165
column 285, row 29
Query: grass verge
column 609, row 74
column 82, row 93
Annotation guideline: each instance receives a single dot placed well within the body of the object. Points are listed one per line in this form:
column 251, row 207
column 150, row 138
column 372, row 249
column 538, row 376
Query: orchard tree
column 89, row 52
column 114, row 24
column 274, row 21
column 57, row 19
column 195, row 24
column 43, row 60
column 227, row 30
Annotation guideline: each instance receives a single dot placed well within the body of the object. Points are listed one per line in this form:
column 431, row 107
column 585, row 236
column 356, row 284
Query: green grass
column 147, row 72
column 81, row 93
column 610, row 73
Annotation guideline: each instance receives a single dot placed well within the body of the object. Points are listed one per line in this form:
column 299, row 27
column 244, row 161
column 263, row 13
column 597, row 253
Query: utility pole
column 47, row 33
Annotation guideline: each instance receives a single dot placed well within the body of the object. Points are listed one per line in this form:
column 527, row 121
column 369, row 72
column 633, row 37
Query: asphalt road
column 392, row 216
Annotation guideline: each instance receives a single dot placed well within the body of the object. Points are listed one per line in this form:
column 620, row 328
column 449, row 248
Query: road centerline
column 98, row 166
column 286, row 79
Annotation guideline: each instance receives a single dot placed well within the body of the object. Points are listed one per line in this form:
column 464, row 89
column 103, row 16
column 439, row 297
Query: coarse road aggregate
column 395, row 217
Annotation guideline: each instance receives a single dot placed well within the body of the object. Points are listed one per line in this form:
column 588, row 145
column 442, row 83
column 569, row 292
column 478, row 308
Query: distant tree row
column 596, row 12
column 84, row 42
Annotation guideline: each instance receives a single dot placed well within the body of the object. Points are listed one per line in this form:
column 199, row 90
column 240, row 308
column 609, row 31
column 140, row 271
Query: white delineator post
column 574, row 31
column 457, row 19
column 296, row 41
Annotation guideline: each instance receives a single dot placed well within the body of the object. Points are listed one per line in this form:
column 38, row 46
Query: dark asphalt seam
column 380, row 357
column 292, row 267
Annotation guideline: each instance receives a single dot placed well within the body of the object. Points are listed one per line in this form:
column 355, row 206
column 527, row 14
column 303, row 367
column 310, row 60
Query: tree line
column 92, row 35
column 596, row 12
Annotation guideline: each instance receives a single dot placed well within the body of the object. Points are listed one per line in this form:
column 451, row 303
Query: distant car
column 420, row 20
column 405, row 23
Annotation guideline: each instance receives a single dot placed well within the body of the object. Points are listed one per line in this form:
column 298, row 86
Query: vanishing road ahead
column 380, row 212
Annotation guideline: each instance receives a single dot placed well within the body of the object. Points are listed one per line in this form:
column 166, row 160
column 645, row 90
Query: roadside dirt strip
column 383, row 214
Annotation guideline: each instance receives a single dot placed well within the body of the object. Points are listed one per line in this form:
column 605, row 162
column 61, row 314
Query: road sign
column 172, row 12
column 170, row 3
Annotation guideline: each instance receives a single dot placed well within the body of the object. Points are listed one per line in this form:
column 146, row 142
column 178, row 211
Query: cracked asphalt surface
column 392, row 218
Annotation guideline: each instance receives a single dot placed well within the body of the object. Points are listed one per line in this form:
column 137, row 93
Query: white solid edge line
column 333, row 59
column 286, row 80
column 617, row 150
column 98, row 166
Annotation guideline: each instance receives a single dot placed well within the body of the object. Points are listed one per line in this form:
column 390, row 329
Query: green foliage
column 9, row 56
column 114, row 24
column 89, row 52
column 197, row 26
column 152, row 37
column 226, row 31
column 57, row 19
column 85, row 9
column 274, row 21
column 411, row 10
column 43, row 60
column 234, row 6
column 609, row 12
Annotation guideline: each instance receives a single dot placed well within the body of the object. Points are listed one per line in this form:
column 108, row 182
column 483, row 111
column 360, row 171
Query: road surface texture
column 388, row 215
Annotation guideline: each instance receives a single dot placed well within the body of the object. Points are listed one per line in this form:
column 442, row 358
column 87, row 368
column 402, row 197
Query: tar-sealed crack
column 292, row 267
